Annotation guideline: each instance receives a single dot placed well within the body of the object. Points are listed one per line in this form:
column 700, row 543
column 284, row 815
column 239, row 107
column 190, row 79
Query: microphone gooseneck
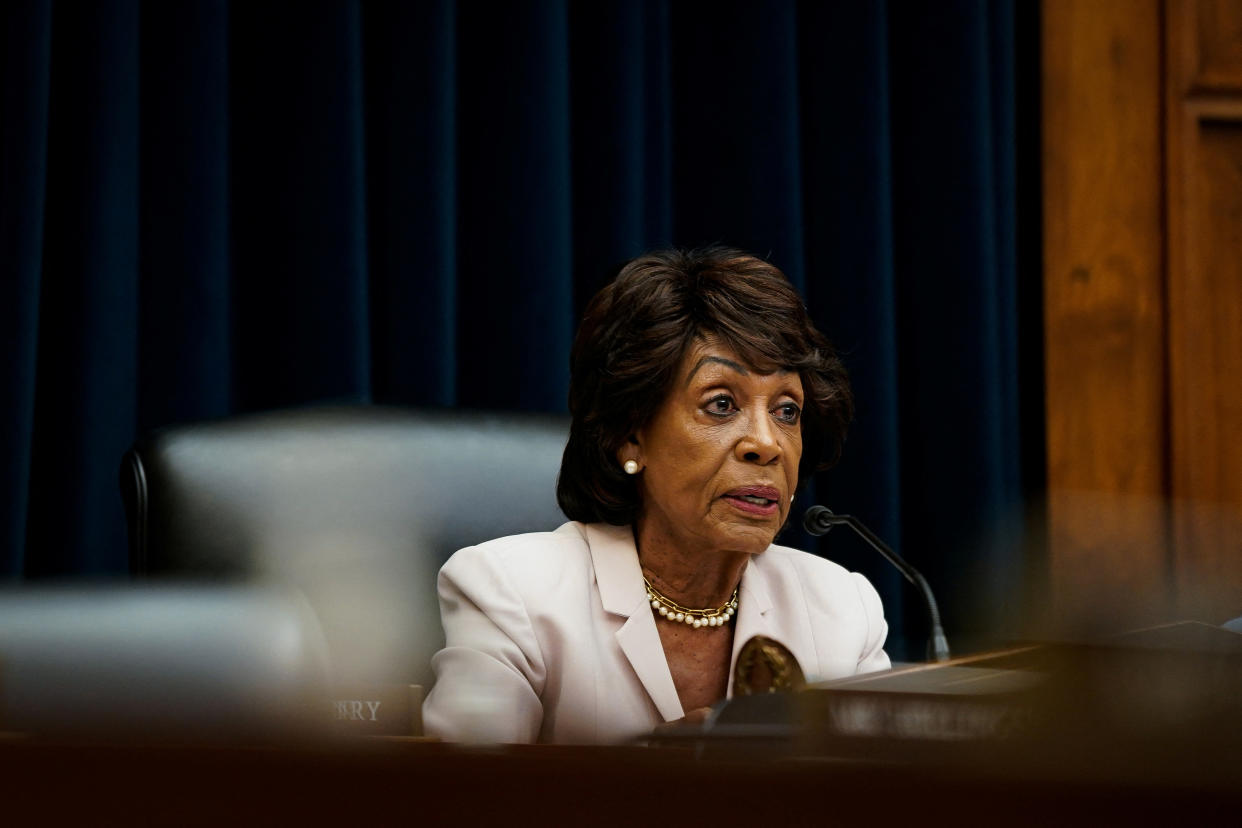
column 820, row 519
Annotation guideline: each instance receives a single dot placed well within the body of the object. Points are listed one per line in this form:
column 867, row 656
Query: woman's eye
column 720, row 405
column 788, row 413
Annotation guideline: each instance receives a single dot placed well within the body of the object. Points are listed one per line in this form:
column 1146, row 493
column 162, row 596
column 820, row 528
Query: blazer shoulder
column 805, row 563
column 819, row 579
column 528, row 553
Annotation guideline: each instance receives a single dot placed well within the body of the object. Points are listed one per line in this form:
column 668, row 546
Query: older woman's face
column 720, row 457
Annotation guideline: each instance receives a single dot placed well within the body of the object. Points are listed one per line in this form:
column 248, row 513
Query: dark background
column 215, row 207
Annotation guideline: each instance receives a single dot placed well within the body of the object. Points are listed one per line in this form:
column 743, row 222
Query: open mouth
column 754, row 500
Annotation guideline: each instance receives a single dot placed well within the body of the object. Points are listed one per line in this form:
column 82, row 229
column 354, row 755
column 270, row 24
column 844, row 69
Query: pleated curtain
column 218, row 207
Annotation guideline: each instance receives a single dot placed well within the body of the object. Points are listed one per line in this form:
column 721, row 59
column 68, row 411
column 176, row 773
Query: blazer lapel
column 620, row 581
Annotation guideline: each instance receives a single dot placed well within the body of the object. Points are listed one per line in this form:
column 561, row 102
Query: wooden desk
column 426, row 783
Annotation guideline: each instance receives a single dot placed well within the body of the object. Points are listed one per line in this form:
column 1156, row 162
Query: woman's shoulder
column 518, row 556
column 817, row 579
column 540, row 573
column 786, row 558
column 566, row 540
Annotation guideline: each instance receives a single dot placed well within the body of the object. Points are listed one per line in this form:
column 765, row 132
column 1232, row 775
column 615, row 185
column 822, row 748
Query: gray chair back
column 357, row 506
column 162, row 662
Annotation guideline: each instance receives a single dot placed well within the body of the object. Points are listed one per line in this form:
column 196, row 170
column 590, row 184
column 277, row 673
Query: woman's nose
column 759, row 443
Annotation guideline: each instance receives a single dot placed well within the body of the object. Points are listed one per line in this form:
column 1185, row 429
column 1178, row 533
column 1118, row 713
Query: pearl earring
column 630, row 466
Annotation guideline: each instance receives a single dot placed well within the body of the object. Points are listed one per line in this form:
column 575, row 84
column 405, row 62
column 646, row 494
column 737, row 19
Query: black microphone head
column 813, row 521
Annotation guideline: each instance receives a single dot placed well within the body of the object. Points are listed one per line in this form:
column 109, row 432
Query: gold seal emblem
column 766, row 666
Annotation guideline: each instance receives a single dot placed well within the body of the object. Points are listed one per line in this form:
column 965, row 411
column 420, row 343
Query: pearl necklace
column 696, row 618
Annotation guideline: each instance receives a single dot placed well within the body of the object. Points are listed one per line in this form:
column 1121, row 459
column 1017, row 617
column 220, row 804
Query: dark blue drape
column 212, row 207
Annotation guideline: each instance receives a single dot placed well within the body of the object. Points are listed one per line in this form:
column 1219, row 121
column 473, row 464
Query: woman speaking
column 702, row 397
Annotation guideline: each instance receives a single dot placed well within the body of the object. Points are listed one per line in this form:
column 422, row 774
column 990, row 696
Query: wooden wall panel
column 1143, row 307
column 1204, row 137
column 1216, row 29
column 1104, row 309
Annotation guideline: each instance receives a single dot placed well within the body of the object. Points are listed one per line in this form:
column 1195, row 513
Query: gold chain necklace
column 697, row 618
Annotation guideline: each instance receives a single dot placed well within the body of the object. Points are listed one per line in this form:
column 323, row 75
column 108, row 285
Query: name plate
column 378, row 709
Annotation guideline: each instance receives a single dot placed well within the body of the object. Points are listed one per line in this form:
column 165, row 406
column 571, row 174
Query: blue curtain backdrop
column 215, row 207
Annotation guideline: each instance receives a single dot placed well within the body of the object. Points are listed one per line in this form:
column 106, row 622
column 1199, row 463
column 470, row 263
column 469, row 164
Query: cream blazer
column 550, row 637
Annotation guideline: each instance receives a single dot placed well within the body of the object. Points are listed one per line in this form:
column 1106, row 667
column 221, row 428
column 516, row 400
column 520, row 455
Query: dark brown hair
column 633, row 337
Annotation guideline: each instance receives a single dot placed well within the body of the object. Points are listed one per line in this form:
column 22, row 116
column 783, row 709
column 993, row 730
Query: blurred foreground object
column 355, row 506
column 1160, row 704
column 161, row 663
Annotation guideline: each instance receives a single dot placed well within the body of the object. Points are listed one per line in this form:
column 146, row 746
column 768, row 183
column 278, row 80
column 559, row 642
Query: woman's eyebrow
column 741, row 369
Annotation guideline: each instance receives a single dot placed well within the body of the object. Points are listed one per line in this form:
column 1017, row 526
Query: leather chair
column 356, row 506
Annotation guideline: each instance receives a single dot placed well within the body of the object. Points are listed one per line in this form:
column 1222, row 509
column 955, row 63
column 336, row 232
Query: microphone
column 819, row 519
